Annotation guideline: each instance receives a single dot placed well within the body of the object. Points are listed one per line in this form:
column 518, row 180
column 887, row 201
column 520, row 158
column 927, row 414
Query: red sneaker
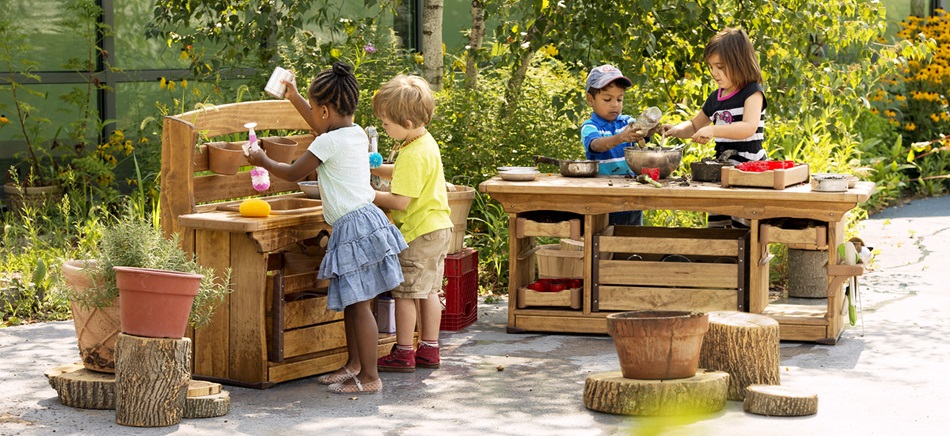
column 397, row 361
column 427, row 356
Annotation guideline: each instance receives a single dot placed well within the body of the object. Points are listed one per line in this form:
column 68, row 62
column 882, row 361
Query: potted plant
column 135, row 242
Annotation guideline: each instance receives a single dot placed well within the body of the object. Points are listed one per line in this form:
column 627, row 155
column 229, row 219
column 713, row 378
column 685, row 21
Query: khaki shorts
column 423, row 265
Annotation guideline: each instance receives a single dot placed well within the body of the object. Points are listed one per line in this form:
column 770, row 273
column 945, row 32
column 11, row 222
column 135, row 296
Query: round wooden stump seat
column 745, row 345
column 770, row 400
column 79, row 387
column 610, row 392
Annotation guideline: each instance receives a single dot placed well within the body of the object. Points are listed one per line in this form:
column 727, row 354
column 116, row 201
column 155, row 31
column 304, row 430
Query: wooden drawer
column 809, row 238
column 567, row 298
column 569, row 228
column 659, row 268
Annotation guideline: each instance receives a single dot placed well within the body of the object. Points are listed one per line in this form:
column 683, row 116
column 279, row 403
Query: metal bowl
column 666, row 159
column 520, row 176
column 311, row 188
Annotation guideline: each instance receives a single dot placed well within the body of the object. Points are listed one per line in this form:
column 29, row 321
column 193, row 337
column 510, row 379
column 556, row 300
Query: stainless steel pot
column 571, row 168
column 666, row 159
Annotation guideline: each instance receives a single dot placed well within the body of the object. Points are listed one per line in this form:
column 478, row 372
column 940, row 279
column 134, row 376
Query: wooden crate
column 632, row 269
column 775, row 179
column 567, row 298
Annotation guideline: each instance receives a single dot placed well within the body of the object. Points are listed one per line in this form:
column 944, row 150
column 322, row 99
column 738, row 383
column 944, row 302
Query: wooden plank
column 661, row 245
column 622, row 298
column 248, row 348
column 802, row 332
column 676, row 274
column 566, row 298
column 214, row 187
column 814, row 237
column 308, row 311
column 797, row 314
column 225, row 119
column 314, row 339
column 320, row 363
column 211, row 343
column 758, row 272
column 561, row 324
column 177, row 194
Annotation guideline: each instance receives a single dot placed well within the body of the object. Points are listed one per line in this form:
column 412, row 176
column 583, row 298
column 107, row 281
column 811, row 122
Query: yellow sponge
column 254, row 207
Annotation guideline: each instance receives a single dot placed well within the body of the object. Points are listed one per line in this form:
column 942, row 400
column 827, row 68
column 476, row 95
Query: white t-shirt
column 344, row 172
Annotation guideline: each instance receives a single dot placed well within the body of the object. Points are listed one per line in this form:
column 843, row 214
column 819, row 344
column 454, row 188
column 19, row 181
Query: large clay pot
column 155, row 303
column 97, row 328
column 658, row 345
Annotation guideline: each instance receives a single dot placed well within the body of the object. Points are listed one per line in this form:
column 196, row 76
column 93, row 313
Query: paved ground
column 883, row 377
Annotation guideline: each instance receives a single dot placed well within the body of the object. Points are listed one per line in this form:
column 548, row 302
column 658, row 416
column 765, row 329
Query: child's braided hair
column 336, row 87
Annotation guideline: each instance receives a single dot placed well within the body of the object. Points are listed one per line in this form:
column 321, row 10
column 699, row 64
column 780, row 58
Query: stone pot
column 97, row 328
column 658, row 345
column 21, row 197
column 155, row 303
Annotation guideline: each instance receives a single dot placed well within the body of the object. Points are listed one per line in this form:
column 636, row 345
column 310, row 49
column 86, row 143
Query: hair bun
column 341, row 69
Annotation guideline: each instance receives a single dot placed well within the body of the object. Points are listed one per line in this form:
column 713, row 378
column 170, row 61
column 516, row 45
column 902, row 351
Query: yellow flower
column 419, row 58
column 549, row 50
column 874, row 110
column 184, row 55
column 890, row 114
column 336, row 53
column 162, row 83
column 171, row 85
column 4, row 120
column 935, row 117
column 899, row 97
column 910, row 127
column 184, row 83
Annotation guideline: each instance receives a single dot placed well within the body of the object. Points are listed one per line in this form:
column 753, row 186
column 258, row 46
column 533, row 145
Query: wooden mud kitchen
column 656, row 268
column 274, row 326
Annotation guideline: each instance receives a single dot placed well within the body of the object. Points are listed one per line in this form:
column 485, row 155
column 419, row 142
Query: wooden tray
column 775, row 179
column 566, row 298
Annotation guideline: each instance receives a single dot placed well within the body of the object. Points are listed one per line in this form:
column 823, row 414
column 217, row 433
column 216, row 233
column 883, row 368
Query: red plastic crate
column 460, row 301
column 461, row 263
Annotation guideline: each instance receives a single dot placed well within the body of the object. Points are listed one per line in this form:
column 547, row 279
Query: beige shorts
column 423, row 265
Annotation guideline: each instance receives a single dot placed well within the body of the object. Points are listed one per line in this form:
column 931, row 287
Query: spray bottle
column 260, row 180
column 375, row 159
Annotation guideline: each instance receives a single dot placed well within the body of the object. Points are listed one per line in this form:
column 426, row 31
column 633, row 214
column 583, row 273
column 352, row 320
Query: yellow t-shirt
column 418, row 174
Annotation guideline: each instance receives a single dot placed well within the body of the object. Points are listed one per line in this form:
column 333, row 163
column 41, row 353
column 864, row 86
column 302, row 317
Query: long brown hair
column 735, row 50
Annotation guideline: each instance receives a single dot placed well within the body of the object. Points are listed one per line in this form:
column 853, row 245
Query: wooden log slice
column 746, row 345
column 208, row 406
column 79, row 387
column 201, row 388
column 771, row 400
column 610, row 392
column 151, row 376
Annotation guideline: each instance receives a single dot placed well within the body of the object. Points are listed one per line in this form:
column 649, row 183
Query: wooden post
column 807, row 273
column 151, row 380
column 746, row 346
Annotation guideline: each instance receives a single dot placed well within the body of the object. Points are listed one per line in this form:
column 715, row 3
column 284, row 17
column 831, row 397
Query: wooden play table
column 592, row 198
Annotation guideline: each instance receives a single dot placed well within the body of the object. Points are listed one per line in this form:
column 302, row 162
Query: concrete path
column 885, row 376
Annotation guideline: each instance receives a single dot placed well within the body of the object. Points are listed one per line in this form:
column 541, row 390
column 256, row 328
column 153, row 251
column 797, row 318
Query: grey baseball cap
column 601, row 76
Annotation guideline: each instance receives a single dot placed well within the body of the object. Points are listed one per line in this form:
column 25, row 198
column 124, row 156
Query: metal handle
column 547, row 160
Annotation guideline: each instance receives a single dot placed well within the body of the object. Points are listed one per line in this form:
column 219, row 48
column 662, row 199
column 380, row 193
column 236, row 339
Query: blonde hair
column 405, row 100
column 736, row 52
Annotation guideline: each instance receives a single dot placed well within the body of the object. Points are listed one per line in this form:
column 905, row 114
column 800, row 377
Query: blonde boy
column 420, row 209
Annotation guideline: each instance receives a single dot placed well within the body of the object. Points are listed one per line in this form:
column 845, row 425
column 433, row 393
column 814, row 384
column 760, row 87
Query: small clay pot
column 225, row 157
column 279, row 148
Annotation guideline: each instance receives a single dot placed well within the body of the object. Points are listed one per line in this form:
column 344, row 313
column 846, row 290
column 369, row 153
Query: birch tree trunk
column 475, row 43
column 432, row 43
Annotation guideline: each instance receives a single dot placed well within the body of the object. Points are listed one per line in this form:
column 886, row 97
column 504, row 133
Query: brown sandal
column 333, row 378
column 358, row 387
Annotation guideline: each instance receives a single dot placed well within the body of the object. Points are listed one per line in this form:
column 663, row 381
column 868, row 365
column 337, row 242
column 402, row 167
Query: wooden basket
column 553, row 262
column 460, row 203
column 775, row 179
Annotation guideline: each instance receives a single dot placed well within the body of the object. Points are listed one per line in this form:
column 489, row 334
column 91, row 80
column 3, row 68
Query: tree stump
column 610, row 392
column 208, row 406
column 200, row 388
column 152, row 376
column 745, row 345
column 807, row 275
column 79, row 387
column 772, row 400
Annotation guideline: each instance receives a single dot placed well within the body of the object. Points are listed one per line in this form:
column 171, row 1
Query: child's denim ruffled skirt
column 362, row 259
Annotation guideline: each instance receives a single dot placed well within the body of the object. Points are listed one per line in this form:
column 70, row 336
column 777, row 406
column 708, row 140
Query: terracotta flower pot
column 658, row 345
column 279, row 148
column 155, row 303
column 225, row 157
column 97, row 328
column 19, row 197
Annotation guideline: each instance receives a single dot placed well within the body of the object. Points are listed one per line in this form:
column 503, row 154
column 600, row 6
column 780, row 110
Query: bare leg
column 431, row 309
column 366, row 338
column 405, row 320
